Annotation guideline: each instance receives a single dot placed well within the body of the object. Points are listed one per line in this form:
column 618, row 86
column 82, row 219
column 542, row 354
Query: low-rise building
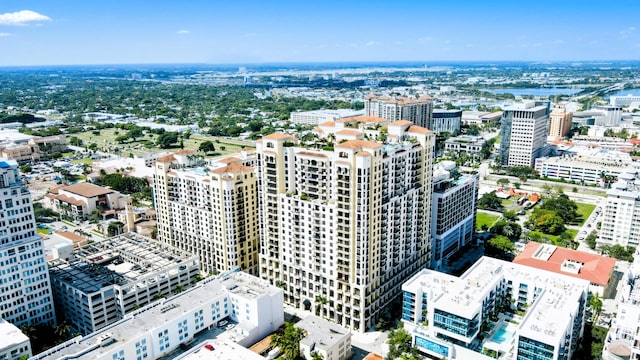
column 79, row 200
column 14, row 344
column 22, row 153
column 316, row 117
column 156, row 330
column 584, row 165
column 480, row 117
column 97, row 284
column 465, row 143
column 329, row 340
column 476, row 311
column 595, row 268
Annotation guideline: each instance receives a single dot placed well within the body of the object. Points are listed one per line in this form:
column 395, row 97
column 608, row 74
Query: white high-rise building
column 25, row 289
column 621, row 213
column 209, row 209
column 523, row 133
column 394, row 108
column 342, row 229
column 444, row 120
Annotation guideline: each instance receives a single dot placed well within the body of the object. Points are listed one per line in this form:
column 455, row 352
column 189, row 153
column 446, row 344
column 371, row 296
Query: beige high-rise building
column 209, row 209
column 393, row 108
column 342, row 229
column 560, row 122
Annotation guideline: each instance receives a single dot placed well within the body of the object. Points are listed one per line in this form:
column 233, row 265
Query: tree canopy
column 490, row 201
column 289, row 341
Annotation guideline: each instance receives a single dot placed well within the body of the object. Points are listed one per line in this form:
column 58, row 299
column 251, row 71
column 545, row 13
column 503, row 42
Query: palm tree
column 320, row 300
column 289, row 341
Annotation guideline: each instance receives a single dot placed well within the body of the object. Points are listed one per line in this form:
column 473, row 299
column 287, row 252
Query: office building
column 316, row 117
column 446, row 121
column 25, row 290
column 627, row 100
column 209, row 209
column 480, row 117
column 622, row 339
column 395, row 108
column 560, row 121
column 14, row 345
column 342, row 229
column 621, row 212
column 523, row 133
column 444, row 312
column 254, row 307
column 331, row 341
column 453, row 212
column 608, row 115
column 98, row 283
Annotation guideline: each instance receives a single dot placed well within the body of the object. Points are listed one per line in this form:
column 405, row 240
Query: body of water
column 535, row 91
column 633, row 92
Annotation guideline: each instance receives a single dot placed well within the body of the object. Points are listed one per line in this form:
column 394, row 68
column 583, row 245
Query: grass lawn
column 105, row 142
column 485, row 219
column 87, row 161
column 45, row 231
column 584, row 210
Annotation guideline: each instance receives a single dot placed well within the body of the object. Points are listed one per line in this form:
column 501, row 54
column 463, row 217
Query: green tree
column 26, row 168
column 591, row 239
column 546, row 221
column 490, row 201
column 399, row 341
column 167, row 139
column 206, row 147
column 503, row 182
column 289, row 341
column 563, row 206
column 502, row 244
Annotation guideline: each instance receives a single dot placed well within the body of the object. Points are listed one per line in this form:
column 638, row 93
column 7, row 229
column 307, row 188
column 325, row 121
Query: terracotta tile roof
column 74, row 238
column 328, row 123
column 373, row 356
column 164, row 159
column 229, row 160
column 185, row 152
column 363, row 153
column 318, row 129
column 419, row 129
column 232, row 168
column 354, row 144
column 595, row 268
column 69, row 200
column 348, row 132
column 401, row 123
column 87, row 190
column 278, row 136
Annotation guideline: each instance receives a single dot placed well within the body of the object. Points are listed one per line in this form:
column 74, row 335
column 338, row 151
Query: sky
column 77, row 32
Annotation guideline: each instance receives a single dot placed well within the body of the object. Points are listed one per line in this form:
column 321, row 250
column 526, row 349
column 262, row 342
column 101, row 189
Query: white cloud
column 183, row 32
column 371, row 43
column 22, row 17
column 3, row 34
column 626, row 32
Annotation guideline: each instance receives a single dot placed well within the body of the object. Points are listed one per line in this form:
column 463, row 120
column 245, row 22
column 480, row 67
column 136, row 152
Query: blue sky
column 59, row 32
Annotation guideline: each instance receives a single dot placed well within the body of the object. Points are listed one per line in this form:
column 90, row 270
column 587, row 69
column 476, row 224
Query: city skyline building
column 444, row 120
column 560, row 121
column 621, row 211
column 209, row 209
column 395, row 108
column 25, row 288
column 523, row 133
column 343, row 228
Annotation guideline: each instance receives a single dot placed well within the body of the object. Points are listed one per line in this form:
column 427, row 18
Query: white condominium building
column 475, row 311
column 316, row 117
column 394, row 108
column 342, row 229
column 14, row 345
column 621, row 213
column 25, row 290
column 523, row 133
column 209, row 209
column 622, row 340
column 97, row 284
column 584, row 165
column 158, row 329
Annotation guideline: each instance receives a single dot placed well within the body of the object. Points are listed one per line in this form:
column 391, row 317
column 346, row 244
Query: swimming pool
column 503, row 334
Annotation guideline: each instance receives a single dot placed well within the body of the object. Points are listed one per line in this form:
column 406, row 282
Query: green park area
column 485, row 220
column 584, row 211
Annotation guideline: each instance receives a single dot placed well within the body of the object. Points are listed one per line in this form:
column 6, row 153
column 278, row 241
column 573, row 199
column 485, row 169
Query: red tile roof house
column 595, row 268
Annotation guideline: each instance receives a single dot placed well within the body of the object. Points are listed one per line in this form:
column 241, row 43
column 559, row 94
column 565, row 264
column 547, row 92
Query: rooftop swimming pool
column 504, row 333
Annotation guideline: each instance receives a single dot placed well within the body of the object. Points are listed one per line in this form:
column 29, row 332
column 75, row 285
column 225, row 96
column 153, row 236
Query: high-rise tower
column 25, row 288
column 394, row 108
column 342, row 229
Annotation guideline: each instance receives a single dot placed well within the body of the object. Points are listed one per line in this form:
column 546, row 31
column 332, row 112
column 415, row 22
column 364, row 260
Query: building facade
column 453, row 213
column 14, row 345
column 584, row 165
column 209, row 209
column 560, row 121
column 443, row 311
column 331, row 341
column 316, row 117
column 394, row 108
column 158, row 329
column 97, row 284
column 469, row 144
column 79, row 200
column 523, row 133
column 25, row 289
column 342, row 229
column 621, row 212
column 446, row 121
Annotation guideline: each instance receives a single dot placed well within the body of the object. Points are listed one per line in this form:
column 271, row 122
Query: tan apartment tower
column 393, row 108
